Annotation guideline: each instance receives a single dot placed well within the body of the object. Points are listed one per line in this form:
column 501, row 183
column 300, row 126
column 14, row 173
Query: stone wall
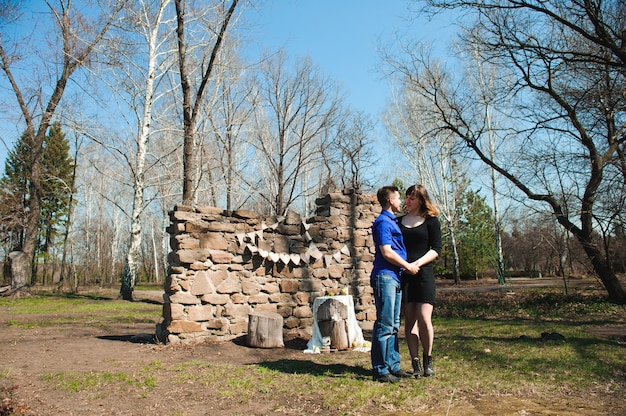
column 225, row 265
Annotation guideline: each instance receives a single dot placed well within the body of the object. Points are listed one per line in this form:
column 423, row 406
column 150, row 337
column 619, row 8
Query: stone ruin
column 226, row 265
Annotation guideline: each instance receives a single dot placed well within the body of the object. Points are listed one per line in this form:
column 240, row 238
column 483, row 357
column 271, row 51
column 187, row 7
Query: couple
column 403, row 276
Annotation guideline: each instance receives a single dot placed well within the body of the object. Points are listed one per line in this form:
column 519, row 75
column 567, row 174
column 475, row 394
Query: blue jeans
column 385, row 348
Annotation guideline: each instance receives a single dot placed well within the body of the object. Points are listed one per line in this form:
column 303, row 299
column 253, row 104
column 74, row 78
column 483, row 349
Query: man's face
column 395, row 202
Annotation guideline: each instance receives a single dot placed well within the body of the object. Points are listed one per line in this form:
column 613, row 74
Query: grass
column 486, row 346
column 58, row 309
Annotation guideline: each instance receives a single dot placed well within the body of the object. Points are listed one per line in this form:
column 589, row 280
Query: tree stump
column 265, row 330
column 332, row 320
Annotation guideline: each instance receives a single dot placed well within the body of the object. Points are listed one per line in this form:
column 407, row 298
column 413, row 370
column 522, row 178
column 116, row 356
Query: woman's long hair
column 429, row 209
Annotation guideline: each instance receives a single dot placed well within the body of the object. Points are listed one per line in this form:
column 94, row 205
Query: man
column 389, row 260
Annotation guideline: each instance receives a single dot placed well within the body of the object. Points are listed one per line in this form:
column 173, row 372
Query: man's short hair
column 384, row 194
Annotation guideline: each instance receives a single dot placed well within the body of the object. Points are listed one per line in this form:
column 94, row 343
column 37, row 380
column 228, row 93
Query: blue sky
column 342, row 38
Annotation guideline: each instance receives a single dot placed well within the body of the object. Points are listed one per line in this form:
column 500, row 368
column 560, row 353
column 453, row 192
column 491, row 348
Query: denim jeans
column 385, row 350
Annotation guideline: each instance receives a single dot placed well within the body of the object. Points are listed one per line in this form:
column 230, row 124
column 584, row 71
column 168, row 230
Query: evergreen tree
column 56, row 185
column 56, row 190
column 476, row 239
column 14, row 197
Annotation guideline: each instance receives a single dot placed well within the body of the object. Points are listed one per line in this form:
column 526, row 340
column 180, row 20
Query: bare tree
column 567, row 62
column 78, row 35
column 433, row 155
column 225, row 148
column 140, row 75
column 294, row 115
column 355, row 154
column 193, row 96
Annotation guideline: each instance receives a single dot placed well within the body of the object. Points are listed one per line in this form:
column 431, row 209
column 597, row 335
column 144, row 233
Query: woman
column 421, row 232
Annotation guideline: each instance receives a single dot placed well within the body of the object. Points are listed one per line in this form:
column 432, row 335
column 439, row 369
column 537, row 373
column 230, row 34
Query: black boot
column 428, row 366
column 417, row 367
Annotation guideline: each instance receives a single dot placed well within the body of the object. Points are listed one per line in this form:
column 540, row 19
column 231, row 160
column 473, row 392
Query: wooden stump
column 265, row 330
column 332, row 320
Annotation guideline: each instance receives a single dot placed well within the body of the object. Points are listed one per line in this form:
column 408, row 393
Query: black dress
column 419, row 240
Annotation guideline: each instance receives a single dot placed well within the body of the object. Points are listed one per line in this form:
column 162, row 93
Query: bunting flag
column 312, row 253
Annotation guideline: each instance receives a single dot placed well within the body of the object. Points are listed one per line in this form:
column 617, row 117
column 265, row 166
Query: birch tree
column 141, row 73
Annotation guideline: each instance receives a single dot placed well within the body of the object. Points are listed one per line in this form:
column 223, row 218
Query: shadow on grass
column 317, row 369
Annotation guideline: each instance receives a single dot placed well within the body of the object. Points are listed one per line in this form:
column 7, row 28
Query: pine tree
column 56, row 186
column 14, row 197
column 476, row 239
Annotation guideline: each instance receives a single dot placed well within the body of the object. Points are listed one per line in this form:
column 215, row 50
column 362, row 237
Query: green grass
column 61, row 309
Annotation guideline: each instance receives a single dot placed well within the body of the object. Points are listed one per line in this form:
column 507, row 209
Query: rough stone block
column 236, row 311
column 220, row 257
column 267, row 307
column 191, row 255
column 303, row 312
column 238, row 298
column 245, row 214
column 258, row 298
column 179, row 327
column 200, row 313
column 214, row 241
column 280, row 297
column 250, row 288
column 229, row 286
column 202, row 285
column 184, row 298
column 289, row 285
column 215, row 299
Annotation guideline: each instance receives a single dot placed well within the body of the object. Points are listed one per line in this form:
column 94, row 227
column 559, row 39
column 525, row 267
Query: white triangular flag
column 337, row 256
column 240, row 238
column 345, row 250
column 327, row 260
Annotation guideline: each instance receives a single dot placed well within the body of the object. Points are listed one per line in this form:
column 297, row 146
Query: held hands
column 413, row 268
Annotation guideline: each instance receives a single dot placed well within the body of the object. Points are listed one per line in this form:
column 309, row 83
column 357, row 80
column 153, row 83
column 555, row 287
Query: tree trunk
column 606, row 274
column 265, row 330
column 20, row 273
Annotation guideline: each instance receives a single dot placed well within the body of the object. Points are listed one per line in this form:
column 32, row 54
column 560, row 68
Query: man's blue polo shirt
column 385, row 231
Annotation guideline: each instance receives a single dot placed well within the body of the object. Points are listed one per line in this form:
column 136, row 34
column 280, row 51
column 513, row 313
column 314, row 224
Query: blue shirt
column 385, row 231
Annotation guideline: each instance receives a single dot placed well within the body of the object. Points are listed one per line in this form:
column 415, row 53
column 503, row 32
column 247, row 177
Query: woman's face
column 413, row 203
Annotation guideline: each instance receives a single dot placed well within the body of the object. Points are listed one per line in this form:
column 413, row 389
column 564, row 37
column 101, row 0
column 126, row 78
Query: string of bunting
column 313, row 252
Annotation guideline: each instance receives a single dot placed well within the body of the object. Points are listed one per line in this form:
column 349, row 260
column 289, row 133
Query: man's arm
column 394, row 258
